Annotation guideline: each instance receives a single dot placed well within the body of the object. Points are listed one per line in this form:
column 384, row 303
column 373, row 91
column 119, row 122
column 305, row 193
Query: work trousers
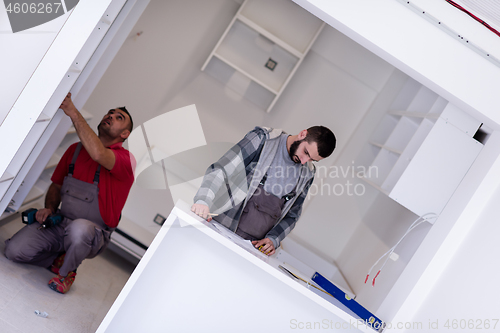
column 79, row 238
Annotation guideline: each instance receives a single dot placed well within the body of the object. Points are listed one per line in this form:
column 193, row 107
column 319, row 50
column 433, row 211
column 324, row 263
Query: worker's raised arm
column 94, row 146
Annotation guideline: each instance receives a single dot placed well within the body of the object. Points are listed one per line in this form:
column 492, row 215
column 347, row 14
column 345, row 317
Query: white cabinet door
column 436, row 169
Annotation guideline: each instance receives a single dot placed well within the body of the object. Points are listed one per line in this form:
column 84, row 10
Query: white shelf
column 6, row 176
column 402, row 134
column 260, row 32
column 387, row 148
column 248, row 75
column 43, row 117
column 415, row 114
column 268, row 15
column 249, row 51
column 375, row 185
column 270, row 36
column 417, row 101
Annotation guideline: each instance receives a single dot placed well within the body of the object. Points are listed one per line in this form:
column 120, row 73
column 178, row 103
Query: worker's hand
column 67, row 105
column 267, row 246
column 202, row 211
column 42, row 214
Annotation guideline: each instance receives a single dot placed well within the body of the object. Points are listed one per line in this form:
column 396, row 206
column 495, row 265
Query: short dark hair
column 131, row 121
column 324, row 138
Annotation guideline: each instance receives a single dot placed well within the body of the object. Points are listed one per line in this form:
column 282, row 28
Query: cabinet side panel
column 436, row 170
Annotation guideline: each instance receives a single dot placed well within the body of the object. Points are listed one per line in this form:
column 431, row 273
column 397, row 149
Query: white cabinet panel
column 220, row 281
column 436, row 169
column 426, row 147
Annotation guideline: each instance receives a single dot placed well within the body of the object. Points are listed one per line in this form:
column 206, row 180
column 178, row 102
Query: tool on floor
column 29, row 217
column 41, row 314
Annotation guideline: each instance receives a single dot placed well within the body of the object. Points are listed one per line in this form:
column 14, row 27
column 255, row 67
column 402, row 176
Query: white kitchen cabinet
column 34, row 127
column 37, row 181
column 217, row 270
column 421, row 149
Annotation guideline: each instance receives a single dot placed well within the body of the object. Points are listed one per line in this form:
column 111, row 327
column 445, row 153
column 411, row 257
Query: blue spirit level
column 369, row 319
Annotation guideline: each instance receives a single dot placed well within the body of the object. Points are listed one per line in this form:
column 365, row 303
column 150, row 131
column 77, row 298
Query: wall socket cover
column 271, row 64
column 159, row 219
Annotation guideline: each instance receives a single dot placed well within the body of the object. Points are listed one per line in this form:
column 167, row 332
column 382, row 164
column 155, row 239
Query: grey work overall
column 261, row 213
column 81, row 234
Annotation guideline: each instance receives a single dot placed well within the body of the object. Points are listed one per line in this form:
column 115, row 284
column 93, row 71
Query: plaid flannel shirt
column 232, row 180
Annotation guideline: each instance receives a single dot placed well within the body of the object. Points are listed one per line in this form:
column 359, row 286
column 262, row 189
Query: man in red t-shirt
column 91, row 182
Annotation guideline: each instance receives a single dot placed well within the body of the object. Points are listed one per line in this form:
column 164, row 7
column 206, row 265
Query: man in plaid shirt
column 260, row 158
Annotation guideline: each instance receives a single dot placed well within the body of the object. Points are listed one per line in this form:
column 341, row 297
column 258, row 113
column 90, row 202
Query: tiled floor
column 23, row 289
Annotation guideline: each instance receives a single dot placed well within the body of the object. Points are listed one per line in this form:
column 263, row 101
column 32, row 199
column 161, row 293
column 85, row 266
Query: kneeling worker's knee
column 81, row 233
column 13, row 252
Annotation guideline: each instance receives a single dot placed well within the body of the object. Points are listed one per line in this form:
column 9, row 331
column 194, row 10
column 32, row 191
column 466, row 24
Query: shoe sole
column 53, row 286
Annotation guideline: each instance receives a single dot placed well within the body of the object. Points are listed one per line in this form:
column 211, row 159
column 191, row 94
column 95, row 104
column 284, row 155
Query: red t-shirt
column 114, row 184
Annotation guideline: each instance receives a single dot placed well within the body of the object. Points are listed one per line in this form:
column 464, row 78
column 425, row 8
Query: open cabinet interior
column 404, row 162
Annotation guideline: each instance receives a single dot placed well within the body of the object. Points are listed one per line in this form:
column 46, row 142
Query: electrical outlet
column 159, row 219
column 271, row 64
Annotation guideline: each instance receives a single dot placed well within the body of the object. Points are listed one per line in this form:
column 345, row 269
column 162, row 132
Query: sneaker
column 58, row 262
column 62, row 284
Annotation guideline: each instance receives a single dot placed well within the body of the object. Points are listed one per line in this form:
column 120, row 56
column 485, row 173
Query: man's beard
column 105, row 132
column 293, row 149
column 99, row 130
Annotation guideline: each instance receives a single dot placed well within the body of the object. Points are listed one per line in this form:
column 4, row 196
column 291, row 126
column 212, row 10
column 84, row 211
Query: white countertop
column 197, row 278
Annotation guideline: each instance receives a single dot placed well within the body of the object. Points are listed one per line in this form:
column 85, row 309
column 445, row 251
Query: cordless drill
column 29, row 217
